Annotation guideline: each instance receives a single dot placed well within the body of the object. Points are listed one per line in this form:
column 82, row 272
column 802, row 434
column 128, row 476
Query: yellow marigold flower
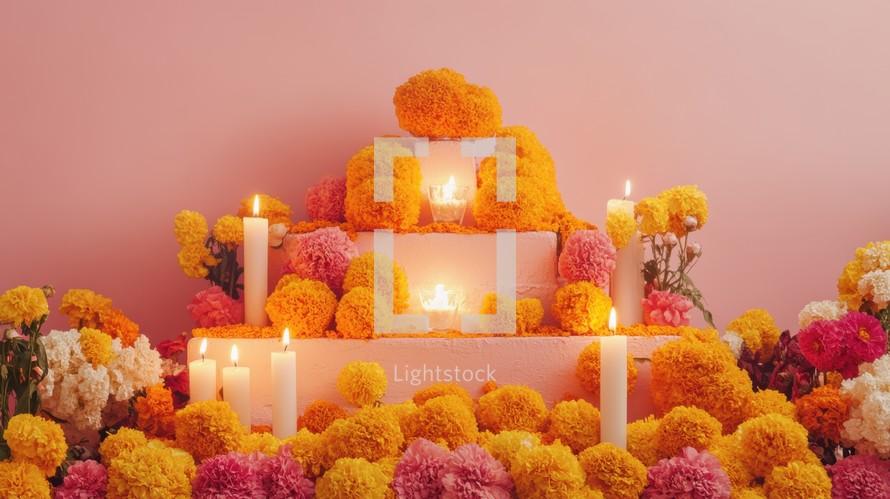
column 527, row 212
column 503, row 446
column 653, row 214
column 23, row 481
column 581, row 307
column 848, row 285
column 38, row 441
column 614, row 471
column 641, row 440
column 769, row 441
column 726, row 449
column 121, row 442
column 287, row 279
column 708, row 335
column 371, row 433
column 22, row 305
column 685, row 427
column 306, row 449
column 229, row 230
column 272, row 208
column 84, row 307
column 208, row 428
column 116, row 324
column 440, row 390
column 155, row 413
column 770, row 402
column 759, row 330
column 575, row 423
column 356, row 313
column 305, row 307
column 402, row 412
column 529, row 311
column 620, row 226
column 320, row 414
column 352, row 479
column 512, row 408
column 444, row 420
column 387, row 465
column 263, row 442
column 798, row 479
column 538, row 170
column 685, row 201
column 547, row 471
column 96, row 346
column 361, row 274
column 823, row 413
column 194, row 260
column 441, row 103
column 588, row 369
column 362, row 383
column 153, row 470
column 190, row 228
column 753, row 492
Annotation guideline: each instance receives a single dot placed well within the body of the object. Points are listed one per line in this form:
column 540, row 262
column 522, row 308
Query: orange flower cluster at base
column 685, row 427
column 155, row 411
column 237, row 331
column 305, row 307
column 362, row 211
column 371, row 433
column 209, row 428
column 575, row 423
column 512, row 408
column 319, row 415
column 529, row 312
column 445, row 420
column 581, row 307
column 614, row 471
column 823, row 412
column 362, row 383
column 424, row 395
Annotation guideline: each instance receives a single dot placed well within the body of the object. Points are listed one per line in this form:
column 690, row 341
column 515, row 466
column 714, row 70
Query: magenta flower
column 326, row 200
column 822, row 344
column 588, row 255
column 213, row 307
column 418, row 474
column 866, row 339
column 691, row 475
column 860, row 477
column 85, row 479
column 281, row 476
column 472, row 472
column 663, row 308
column 228, row 476
column 323, row 255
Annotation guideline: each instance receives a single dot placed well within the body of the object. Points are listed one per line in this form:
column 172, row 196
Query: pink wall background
column 117, row 115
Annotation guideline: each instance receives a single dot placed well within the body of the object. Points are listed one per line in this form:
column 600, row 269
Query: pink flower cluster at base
column 257, row 475
column 212, row 307
column 663, row 308
column 84, row 479
column 691, row 474
column 860, row 476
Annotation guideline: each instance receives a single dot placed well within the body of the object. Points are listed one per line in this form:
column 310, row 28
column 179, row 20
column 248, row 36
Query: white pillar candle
column 236, row 389
column 256, row 267
column 626, row 286
column 613, row 387
column 284, row 390
column 202, row 377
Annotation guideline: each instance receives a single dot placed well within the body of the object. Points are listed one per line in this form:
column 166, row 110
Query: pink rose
column 664, row 308
column 212, row 307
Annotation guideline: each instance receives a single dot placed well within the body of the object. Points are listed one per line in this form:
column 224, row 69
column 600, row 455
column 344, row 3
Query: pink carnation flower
column 84, row 479
column 281, row 476
column 418, row 474
column 866, row 339
column 588, row 255
column 226, row 476
column 693, row 475
column 823, row 344
column 860, row 477
column 322, row 255
column 664, row 308
column 212, row 307
column 326, row 200
column 472, row 472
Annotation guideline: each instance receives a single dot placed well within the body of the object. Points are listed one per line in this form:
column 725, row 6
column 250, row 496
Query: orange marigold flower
column 547, row 471
column 356, row 313
column 440, row 390
column 445, row 420
column 769, row 441
column 229, row 230
column 271, row 208
column 489, row 386
column 237, row 331
column 353, row 478
column 512, row 408
column 588, row 369
column 115, row 323
column 823, row 413
column 568, row 223
column 575, row 423
column 23, row 480
column 527, row 212
column 208, row 428
column 371, row 433
column 641, row 440
column 503, row 446
column 306, row 449
column 35, row 440
column 362, row 383
column 155, row 413
column 320, row 414
column 190, row 227
column 305, row 307
column 581, row 307
column 759, row 330
column 83, row 307
column 362, row 185
column 194, row 259
column 360, row 273
column 123, row 441
column 620, row 226
column 614, row 471
column 686, row 427
column 770, row 402
column 260, row 441
column 529, row 311
column 726, row 449
column 798, row 479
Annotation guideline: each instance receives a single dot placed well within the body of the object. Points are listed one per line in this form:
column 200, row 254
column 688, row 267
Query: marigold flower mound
column 527, row 212
column 758, row 328
column 614, row 471
column 588, row 255
column 445, row 420
column 352, row 479
column 547, row 471
column 190, row 228
column 581, row 307
column 512, row 408
column 326, row 200
column 441, row 103
column 208, row 428
column 371, row 433
column 796, row 480
column 588, row 369
column 153, row 470
column 362, row 383
column 155, row 412
column 726, row 449
column 860, row 477
column 641, row 440
column 23, row 480
column 305, row 307
column 262, row 442
column 684, row 201
column 503, row 446
column 529, row 312
column 539, row 170
column 305, row 448
column 35, row 440
column 361, row 274
column 322, row 255
column 567, row 223
column 575, row 423
column 83, row 307
column 356, row 314
column 686, row 427
column 271, row 208
column 442, row 389
column 653, row 215
column 769, row 441
column 124, row 440
column 690, row 474
column 823, row 413
column 362, row 211
column 320, row 414
column 770, row 402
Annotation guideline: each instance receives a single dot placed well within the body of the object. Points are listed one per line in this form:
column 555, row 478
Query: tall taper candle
column 256, row 267
column 613, row 387
column 626, row 286
column 236, row 389
column 202, row 377
column 284, row 390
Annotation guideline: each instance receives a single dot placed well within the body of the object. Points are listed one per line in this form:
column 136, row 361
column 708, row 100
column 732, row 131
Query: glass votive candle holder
column 440, row 305
column 448, row 202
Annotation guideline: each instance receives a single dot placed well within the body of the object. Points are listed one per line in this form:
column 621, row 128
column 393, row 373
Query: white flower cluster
column 868, row 429
column 77, row 392
column 825, row 310
column 734, row 341
column 877, row 257
column 874, row 286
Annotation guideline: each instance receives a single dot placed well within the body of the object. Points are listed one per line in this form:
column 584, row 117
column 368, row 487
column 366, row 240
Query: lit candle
column 441, row 307
column 626, row 285
column 236, row 388
column 256, row 266
column 448, row 202
column 613, row 386
column 202, row 377
column 284, row 390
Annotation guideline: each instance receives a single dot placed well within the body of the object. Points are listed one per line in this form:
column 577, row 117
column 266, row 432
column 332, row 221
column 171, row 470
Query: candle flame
column 235, row 355
column 285, row 338
column 627, row 189
column 613, row 321
column 256, row 205
column 448, row 189
column 203, row 348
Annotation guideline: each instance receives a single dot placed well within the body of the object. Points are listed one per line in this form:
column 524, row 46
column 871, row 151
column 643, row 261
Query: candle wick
column 202, row 357
column 285, row 348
